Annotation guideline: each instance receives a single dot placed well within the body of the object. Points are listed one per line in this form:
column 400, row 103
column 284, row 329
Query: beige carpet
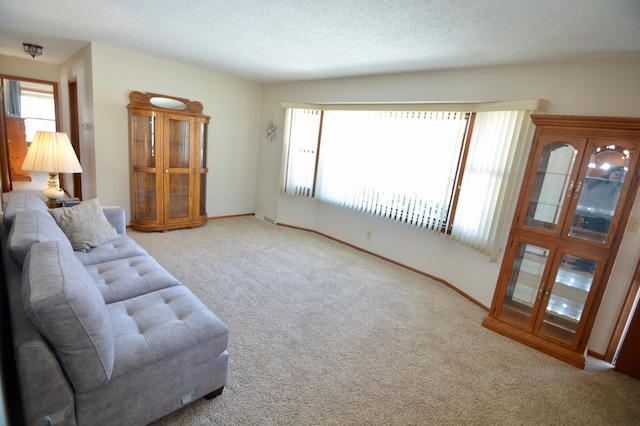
column 324, row 334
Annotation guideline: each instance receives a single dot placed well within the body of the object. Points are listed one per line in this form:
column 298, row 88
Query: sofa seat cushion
column 62, row 302
column 119, row 248
column 160, row 325
column 20, row 201
column 126, row 278
column 85, row 224
column 29, row 227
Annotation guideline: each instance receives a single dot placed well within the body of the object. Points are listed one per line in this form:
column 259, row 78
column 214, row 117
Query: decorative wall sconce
column 32, row 49
column 270, row 130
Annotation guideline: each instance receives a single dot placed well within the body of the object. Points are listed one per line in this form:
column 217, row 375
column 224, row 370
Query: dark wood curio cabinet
column 579, row 187
column 167, row 154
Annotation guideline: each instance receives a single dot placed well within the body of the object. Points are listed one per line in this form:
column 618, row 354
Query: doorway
column 28, row 105
column 624, row 348
column 74, row 134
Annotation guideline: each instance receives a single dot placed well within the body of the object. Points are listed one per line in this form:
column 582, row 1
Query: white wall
column 597, row 87
column 105, row 77
column 29, row 68
column 232, row 103
column 79, row 68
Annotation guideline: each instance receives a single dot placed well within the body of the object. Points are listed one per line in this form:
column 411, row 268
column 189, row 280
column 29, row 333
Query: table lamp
column 52, row 152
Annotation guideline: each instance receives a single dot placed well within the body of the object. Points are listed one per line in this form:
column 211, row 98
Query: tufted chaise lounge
column 106, row 335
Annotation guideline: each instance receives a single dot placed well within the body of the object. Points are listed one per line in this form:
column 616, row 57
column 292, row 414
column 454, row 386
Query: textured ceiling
column 285, row 40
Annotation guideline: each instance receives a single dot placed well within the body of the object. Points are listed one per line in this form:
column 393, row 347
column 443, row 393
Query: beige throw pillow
column 85, row 225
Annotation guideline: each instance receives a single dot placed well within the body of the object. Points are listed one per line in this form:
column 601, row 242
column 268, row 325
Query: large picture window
column 38, row 109
column 452, row 170
column 396, row 164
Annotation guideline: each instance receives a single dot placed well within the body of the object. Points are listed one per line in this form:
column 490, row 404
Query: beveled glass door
column 600, row 190
column 567, row 296
column 548, row 291
column 178, row 134
column 144, row 158
column 556, row 174
column 201, row 181
column 526, row 281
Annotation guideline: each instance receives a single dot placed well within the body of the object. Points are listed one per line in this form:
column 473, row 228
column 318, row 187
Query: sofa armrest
column 116, row 217
column 47, row 396
column 45, row 393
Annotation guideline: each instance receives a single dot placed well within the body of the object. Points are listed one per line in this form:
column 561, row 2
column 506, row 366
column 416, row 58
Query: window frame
column 445, row 225
column 510, row 141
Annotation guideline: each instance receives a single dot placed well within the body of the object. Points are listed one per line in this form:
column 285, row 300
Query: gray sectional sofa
column 102, row 334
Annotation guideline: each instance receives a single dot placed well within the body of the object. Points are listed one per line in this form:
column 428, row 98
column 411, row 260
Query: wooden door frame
column 4, row 155
column 625, row 316
column 5, row 177
column 74, row 132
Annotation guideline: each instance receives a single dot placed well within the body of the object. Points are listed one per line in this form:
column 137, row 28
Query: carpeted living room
column 323, row 333
column 337, row 213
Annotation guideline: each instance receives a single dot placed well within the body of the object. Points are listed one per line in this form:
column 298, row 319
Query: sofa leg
column 213, row 394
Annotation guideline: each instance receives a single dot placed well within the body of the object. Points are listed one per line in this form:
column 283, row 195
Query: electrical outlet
column 634, row 224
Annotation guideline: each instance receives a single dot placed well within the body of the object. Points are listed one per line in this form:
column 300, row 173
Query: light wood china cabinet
column 168, row 154
column 17, row 148
column 579, row 187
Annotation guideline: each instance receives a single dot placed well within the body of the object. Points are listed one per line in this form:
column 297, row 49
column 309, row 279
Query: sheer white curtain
column 493, row 173
column 400, row 165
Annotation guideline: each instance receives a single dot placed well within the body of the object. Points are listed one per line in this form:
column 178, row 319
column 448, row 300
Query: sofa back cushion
column 62, row 302
column 29, row 227
column 20, row 201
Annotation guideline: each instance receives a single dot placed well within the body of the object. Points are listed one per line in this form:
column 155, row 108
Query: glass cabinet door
column 547, row 293
column 566, row 296
column 578, row 187
column 554, row 180
column 599, row 192
column 525, row 283
column 143, row 158
column 177, row 160
column 202, row 170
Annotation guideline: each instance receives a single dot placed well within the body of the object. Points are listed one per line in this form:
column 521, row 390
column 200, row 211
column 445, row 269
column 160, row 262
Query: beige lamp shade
column 51, row 152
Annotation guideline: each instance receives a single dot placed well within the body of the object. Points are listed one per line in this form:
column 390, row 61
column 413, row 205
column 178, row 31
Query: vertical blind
column 301, row 136
column 402, row 163
column 399, row 165
column 493, row 173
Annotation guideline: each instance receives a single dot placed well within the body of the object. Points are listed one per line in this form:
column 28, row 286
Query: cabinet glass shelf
column 566, row 308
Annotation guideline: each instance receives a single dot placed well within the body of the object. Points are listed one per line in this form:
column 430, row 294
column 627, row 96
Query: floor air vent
column 269, row 220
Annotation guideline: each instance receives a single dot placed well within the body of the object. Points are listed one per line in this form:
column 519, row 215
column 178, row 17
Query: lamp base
column 53, row 192
column 53, row 204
